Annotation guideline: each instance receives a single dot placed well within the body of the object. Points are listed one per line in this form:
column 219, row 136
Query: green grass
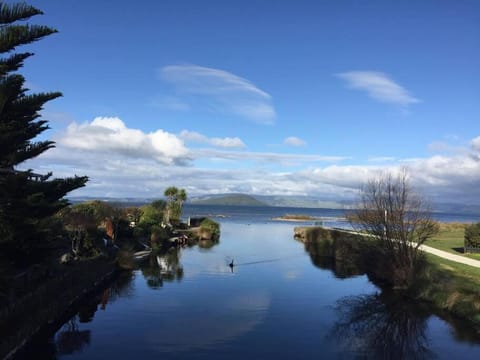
column 455, row 270
column 451, row 239
column 451, row 286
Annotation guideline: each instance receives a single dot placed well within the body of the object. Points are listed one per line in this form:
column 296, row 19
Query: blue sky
column 263, row 97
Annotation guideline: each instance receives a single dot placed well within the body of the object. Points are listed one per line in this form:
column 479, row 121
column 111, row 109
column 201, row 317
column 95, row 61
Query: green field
column 450, row 238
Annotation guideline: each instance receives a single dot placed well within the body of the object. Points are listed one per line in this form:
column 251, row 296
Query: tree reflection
column 70, row 339
column 385, row 326
column 164, row 266
column 332, row 256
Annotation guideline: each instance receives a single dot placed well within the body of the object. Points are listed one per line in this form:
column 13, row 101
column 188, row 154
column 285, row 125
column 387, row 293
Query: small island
column 296, row 217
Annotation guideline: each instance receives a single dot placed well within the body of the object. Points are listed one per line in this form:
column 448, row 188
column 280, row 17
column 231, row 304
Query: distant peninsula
column 228, row 200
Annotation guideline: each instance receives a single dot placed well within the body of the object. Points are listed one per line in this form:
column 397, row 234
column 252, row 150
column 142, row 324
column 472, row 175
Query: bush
column 211, row 227
column 472, row 236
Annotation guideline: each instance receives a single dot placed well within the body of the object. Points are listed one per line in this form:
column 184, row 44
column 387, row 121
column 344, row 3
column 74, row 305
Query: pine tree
column 27, row 199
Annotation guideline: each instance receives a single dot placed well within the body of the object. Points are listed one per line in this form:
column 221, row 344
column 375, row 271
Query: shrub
column 211, row 227
column 472, row 236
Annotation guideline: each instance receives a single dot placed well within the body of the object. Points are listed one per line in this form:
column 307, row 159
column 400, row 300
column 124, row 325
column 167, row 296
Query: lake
column 277, row 302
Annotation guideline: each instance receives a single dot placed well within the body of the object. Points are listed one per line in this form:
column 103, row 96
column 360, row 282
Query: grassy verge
column 451, row 286
column 451, row 239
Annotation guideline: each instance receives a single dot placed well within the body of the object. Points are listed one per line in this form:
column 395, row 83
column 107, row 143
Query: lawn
column 450, row 238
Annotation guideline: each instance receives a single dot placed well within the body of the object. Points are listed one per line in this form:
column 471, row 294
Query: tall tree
column 176, row 197
column 26, row 198
column 391, row 211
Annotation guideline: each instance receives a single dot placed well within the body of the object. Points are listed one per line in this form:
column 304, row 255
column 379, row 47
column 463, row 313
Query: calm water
column 277, row 303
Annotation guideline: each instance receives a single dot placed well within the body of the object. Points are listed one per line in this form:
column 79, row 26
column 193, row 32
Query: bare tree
column 400, row 219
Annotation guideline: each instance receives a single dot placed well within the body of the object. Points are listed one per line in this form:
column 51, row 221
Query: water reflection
column 210, row 323
column 382, row 326
column 162, row 266
column 70, row 339
column 340, row 257
column 387, row 325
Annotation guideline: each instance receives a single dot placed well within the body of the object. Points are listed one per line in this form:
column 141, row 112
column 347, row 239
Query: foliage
column 81, row 222
column 393, row 213
column 96, row 210
column 472, row 236
column 26, row 198
column 151, row 216
column 175, row 199
column 211, row 226
column 133, row 214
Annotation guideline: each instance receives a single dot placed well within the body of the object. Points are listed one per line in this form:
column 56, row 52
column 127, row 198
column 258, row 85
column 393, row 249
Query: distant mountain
column 277, row 200
column 228, row 200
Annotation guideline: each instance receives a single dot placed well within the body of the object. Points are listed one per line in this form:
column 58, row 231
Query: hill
column 228, row 200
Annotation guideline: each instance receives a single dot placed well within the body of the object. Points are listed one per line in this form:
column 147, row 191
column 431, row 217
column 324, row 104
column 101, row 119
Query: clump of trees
column 88, row 222
column 400, row 220
column 27, row 200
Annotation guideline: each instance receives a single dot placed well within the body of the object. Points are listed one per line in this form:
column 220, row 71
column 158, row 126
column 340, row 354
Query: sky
column 304, row 97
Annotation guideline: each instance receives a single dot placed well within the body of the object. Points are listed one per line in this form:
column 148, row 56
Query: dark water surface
column 188, row 304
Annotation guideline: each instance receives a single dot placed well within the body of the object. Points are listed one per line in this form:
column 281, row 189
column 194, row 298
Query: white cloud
column 227, row 142
column 221, row 90
column 294, row 141
column 110, row 135
column 476, row 144
column 126, row 162
column 379, row 86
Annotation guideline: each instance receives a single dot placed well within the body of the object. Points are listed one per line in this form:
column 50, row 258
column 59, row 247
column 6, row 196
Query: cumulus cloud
column 125, row 162
column 294, row 141
column 221, row 90
column 110, row 135
column 227, row 142
column 378, row 86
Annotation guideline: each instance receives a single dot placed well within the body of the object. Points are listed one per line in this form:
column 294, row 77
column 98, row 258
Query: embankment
column 452, row 290
column 23, row 317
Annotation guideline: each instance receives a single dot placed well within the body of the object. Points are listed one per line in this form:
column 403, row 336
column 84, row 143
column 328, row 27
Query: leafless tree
column 400, row 219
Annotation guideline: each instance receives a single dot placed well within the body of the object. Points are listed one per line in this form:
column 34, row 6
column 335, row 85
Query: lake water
column 275, row 303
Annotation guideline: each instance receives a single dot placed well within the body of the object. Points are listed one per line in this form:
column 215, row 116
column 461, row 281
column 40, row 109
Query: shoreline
column 444, row 286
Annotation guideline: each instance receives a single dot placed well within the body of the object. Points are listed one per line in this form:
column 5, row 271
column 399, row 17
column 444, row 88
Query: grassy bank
column 451, row 288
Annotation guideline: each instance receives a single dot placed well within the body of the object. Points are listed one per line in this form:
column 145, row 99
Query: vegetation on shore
column 445, row 285
column 399, row 220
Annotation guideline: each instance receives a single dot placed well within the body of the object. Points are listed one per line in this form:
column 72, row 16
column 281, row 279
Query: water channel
column 278, row 301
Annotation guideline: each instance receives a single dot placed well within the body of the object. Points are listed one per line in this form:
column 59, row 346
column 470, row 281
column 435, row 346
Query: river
column 278, row 301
